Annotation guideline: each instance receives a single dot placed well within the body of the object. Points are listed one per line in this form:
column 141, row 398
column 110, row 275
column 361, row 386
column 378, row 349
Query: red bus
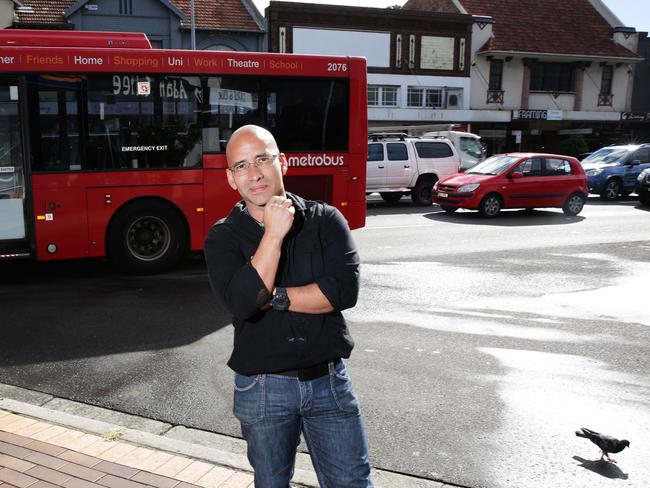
column 111, row 148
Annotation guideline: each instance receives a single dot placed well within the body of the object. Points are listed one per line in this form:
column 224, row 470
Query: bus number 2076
column 337, row 67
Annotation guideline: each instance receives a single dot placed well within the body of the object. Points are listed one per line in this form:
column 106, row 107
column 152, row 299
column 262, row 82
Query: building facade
column 233, row 25
column 553, row 75
column 418, row 63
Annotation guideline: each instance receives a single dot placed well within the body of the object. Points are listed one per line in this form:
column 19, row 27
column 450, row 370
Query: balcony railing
column 495, row 96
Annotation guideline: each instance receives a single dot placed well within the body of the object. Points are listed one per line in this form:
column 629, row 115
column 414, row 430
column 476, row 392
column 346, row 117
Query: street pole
column 193, row 32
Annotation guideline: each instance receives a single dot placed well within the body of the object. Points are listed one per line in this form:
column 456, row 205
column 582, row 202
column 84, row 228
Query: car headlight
column 468, row 188
column 593, row 172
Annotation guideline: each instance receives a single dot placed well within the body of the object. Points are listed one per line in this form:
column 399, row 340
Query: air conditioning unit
column 454, row 99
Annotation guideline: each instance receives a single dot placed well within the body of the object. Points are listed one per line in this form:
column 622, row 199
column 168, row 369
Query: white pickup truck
column 399, row 164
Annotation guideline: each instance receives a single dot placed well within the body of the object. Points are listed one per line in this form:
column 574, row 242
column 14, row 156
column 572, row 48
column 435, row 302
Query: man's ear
column 284, row 164
column 231, row 179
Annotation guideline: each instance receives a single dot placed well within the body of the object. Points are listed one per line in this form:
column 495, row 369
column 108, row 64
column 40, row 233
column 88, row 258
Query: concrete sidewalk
column 47, row 442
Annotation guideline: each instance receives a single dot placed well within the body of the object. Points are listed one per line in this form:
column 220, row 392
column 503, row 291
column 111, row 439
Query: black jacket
column 319, row 249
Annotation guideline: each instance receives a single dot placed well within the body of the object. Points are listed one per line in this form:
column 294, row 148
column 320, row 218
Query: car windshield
column 609, row 155
column 493, row 165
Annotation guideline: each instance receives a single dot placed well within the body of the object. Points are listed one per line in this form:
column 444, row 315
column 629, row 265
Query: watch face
column 280, row 300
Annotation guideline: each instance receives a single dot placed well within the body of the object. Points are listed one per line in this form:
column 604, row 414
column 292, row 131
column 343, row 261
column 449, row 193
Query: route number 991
column 337, row 67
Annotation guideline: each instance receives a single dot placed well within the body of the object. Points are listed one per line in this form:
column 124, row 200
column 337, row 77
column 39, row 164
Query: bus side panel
column 219, row 197
column 61, row 220
column 104, row 202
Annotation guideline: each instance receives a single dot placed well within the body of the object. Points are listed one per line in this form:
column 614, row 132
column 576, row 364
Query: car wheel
column 146, row 237
column 611, row 191
column 421, row 193
column 645, row 199
column 574, row 204
column 448, row 209
column 391, row 196
column 490, row 206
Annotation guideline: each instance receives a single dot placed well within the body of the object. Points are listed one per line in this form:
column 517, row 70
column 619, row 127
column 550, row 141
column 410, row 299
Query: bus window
column 55, row 132
column 233, row 101
column 308, row 114
column 137, row 121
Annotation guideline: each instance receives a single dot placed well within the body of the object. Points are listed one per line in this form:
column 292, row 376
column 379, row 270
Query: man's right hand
column 278, row 217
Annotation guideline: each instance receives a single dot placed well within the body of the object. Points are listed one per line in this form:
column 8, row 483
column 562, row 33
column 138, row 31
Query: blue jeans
column 274, row 409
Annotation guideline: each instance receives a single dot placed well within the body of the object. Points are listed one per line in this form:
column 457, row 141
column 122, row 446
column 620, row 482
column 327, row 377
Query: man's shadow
column 602, row 467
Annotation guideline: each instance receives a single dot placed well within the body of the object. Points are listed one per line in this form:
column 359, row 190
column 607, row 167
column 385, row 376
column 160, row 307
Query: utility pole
column 193, row 31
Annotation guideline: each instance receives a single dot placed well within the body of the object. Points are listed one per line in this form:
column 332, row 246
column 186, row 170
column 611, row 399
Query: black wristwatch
column 280, row 300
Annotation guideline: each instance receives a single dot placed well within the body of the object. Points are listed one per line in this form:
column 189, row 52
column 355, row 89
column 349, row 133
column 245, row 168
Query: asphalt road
column 481, row 345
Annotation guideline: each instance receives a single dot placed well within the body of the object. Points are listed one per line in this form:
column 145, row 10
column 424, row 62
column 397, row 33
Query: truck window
column 433, row 150
column 375, row 152
column 471, row 146
column 397, row 151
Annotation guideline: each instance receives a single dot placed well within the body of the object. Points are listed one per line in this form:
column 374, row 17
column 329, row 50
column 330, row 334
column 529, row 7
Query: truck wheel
column 391, row 196
column 421, row 192
column 146, row 237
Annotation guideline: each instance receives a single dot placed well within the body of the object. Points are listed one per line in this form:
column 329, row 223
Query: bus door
column 13, row 227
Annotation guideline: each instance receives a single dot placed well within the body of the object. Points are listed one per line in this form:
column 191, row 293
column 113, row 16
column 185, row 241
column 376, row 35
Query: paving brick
column 183, row 484
column 65, row 438
column 77, row 483
column 48, row 434
column 82, row 472
column 215, row 477
column 43, row 484
column 174, row 466
column 156, row 461
column 18, row 425
column 116, row 452
column 15, row 451
column 115, row 482
column 15, row 463
column 8, row 420
column 239, row 480
column 47, row 474
column 194, row 471
column 83, row 441
column 78, row 458
column 97, row 448
column 33, row 429
column 116, row 469
column 15, row 478
column 46, row 460
column 45, row 448
column 154, row 480
column 17, row 440
column 135, row 457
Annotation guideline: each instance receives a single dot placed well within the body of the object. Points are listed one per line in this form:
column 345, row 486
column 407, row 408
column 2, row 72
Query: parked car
column 515, row 180
column 613, row 170
column 399, row 164
column 643, row 186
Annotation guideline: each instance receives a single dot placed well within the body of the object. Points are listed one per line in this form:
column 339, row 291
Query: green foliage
column 574, row 145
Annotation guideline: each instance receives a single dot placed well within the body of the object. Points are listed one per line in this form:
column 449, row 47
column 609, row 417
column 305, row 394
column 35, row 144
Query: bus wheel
column 146, row 237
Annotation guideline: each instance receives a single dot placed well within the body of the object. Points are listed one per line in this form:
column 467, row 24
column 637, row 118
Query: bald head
column 247, row 134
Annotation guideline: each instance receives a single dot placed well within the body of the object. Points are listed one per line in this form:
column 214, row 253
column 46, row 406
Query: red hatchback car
column 515, row 180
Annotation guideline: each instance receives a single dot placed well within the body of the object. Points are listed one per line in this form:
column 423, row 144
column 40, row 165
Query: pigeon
column 606, row 443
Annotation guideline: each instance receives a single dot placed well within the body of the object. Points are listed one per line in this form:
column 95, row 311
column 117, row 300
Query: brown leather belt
column 311, row 373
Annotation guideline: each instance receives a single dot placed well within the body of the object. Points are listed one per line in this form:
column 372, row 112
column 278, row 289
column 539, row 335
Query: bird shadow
column 602, row 467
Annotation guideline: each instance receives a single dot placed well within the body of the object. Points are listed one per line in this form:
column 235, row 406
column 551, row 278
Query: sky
column 633, row 13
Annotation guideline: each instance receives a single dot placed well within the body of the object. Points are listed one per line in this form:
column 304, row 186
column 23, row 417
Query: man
column 285, row 267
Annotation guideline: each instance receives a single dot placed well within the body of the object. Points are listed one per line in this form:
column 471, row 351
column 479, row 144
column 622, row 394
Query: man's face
column 256, row 185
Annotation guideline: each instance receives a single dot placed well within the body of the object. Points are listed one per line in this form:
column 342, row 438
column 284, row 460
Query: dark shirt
column 318, row 249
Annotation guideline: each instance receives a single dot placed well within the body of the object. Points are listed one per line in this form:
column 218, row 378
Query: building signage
column 537, row 114
column 636, row 116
